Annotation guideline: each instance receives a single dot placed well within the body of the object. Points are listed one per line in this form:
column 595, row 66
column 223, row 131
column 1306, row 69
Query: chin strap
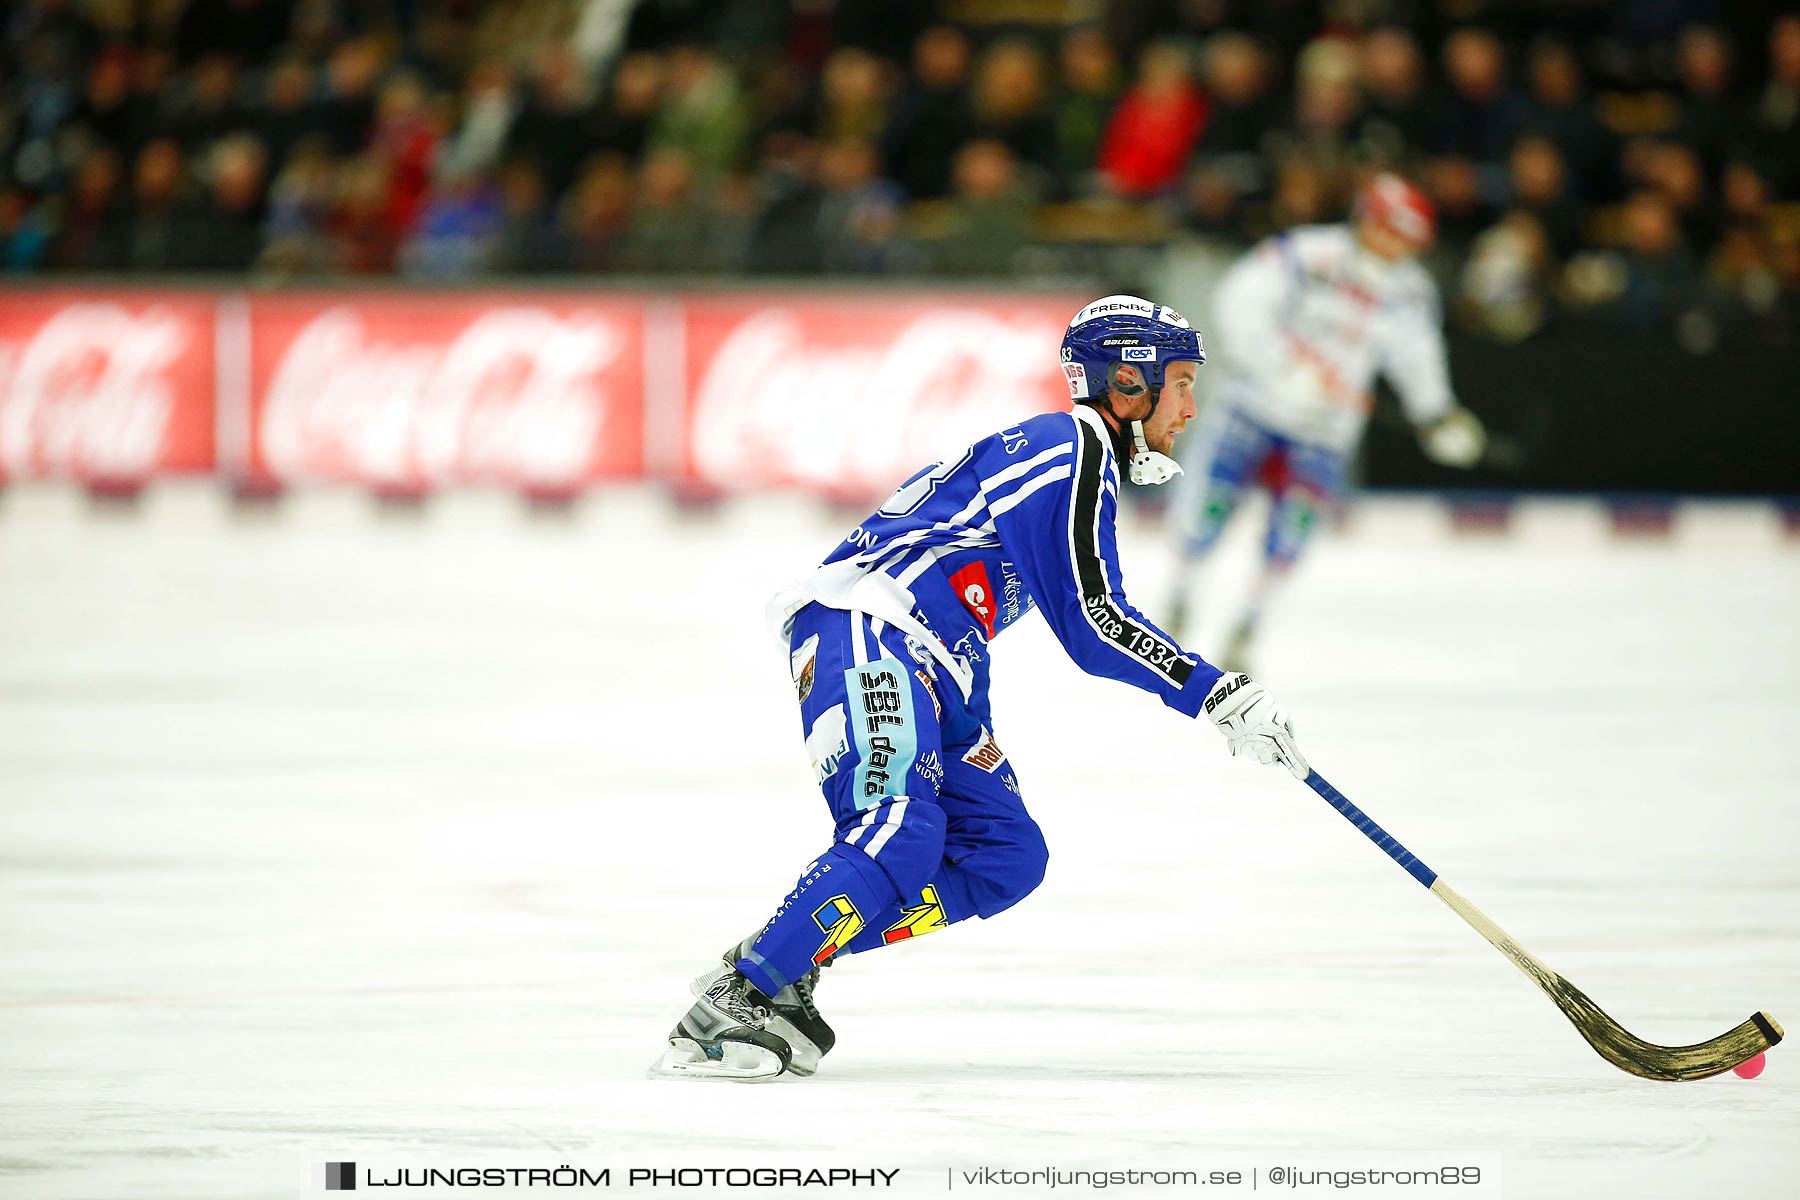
column 1149, row 466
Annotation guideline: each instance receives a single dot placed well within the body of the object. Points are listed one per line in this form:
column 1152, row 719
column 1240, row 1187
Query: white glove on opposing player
column 1455, row 439
column 1253, row 723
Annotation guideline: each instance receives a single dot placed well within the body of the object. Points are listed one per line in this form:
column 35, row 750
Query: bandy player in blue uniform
column 1308, row 319
column 888, row 642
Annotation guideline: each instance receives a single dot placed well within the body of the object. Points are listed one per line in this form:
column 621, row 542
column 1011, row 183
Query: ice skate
column 735, row 1032
column 725, row 1035
column 795, row 1017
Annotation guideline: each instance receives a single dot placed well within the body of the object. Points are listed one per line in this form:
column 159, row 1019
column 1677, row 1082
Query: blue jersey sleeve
column 1064, row 541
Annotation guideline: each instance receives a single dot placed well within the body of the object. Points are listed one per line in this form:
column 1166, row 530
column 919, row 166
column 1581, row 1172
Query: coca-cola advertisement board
column 107, row 388
column 848, row 395
column 417, row 391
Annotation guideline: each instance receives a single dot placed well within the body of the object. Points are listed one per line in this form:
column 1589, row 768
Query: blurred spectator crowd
column 1634, row 161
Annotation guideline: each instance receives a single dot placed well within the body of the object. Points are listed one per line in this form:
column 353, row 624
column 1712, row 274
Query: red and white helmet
column 1398, row 206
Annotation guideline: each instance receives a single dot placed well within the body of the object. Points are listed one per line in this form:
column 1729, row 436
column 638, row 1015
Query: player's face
column 1174, row 409
column 1385, row 243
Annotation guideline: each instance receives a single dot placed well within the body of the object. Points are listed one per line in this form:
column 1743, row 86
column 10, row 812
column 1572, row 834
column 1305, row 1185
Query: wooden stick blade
column 1647, row 1060
column 1613, row 1041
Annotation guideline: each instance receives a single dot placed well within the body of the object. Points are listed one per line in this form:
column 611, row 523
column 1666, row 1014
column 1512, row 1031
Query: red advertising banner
column 841, row 394
column 850, row 394
column 108, row 388
column 420, row 390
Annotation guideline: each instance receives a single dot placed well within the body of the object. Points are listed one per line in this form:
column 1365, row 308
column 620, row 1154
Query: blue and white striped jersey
column 1026, row 518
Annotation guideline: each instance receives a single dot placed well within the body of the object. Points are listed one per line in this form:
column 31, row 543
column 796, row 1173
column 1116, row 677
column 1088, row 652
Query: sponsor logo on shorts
column 986, row 753
column 931, row 767
column 927, row 916
column 827, row 743
column 880, row 773
column 838, row 919
column 883, row 727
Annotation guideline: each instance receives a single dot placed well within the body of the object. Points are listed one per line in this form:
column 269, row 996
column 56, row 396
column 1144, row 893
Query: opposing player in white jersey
column 1305, row 322
column 889, row 644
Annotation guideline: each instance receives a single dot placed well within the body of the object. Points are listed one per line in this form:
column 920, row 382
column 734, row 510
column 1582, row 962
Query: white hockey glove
column 1253, row 723
column 1455, row 439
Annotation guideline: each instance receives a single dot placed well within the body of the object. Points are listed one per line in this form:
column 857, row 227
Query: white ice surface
column 328, row 834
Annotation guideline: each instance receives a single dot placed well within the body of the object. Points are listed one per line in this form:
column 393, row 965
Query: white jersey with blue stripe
column 1025, row 518
column 1308, row 319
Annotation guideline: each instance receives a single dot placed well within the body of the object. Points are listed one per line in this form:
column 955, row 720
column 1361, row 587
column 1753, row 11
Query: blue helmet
column 1117, row 331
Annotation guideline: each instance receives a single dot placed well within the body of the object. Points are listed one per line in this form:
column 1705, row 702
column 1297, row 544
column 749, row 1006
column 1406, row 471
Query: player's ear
column 1128, row 376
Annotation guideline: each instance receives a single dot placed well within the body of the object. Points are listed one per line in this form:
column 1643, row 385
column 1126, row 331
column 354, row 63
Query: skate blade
column 739, row 1062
